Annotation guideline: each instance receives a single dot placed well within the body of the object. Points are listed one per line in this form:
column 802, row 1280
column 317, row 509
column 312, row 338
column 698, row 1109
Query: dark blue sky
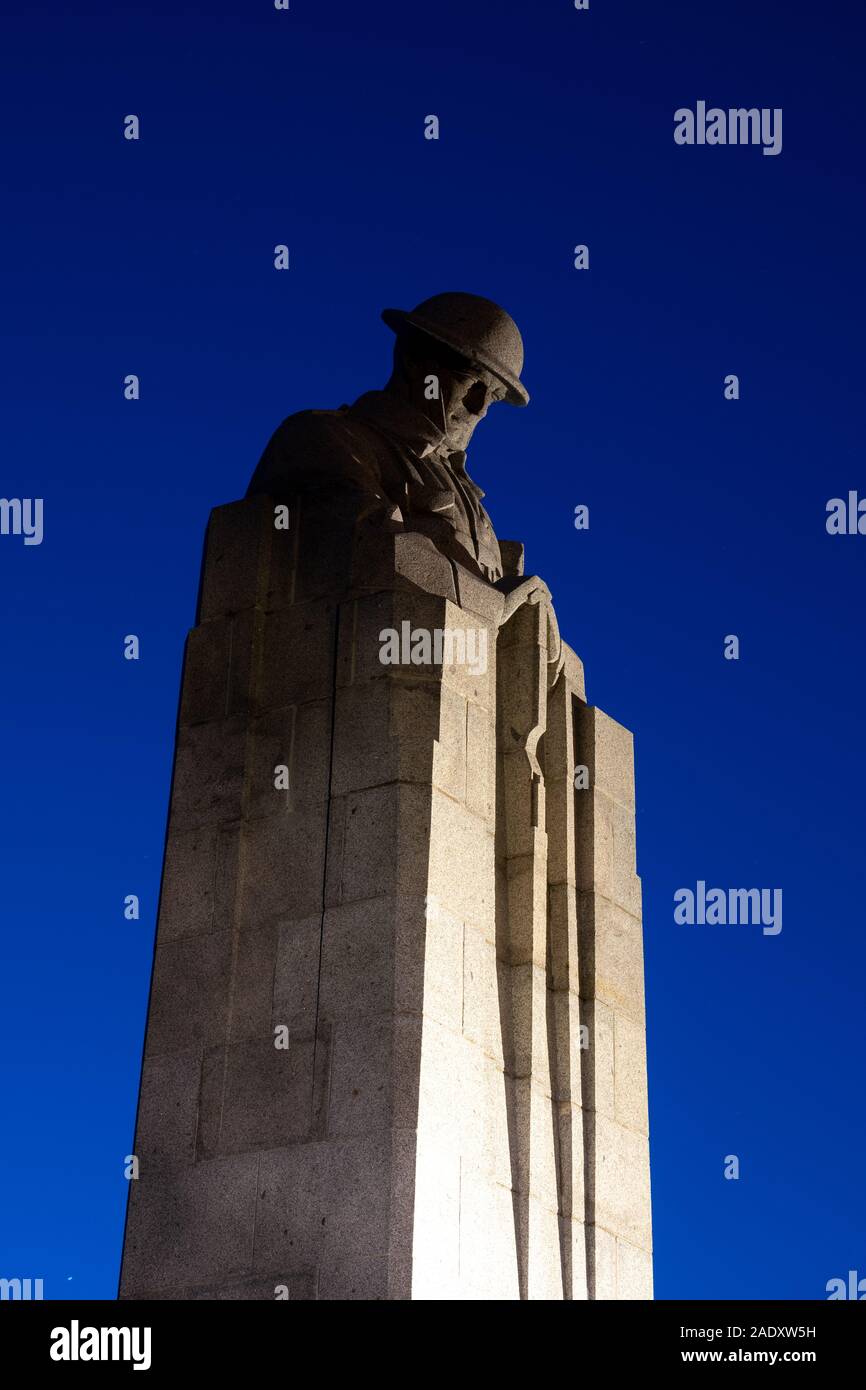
column 706, row 516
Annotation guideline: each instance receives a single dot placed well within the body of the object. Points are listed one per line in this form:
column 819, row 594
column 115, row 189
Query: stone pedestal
column 395, row 1044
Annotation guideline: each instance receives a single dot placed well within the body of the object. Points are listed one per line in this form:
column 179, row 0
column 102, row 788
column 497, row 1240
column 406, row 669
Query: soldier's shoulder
column 311, row 425
column 307, row 446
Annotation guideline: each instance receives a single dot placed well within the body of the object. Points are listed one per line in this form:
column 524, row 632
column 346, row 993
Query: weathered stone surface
column 254, row 963
column 461, row 859
column 619, row 1162
column 482, row 1022
column 374, row 1075
column 474, row 596
column 304, row 635
column 293, row 1287
column 296, row 738
column 573, row 672
column 168, row 1110
column 296, row 972
column 634, row 1272
column 236, row 548
column 209, row 774
column 191, row 1226
column 328, row 1205
column 436, row 1227
column 602, row 1264
column 188, row 885
column 612, row 992
column 255, row 1095
column 418, row 562
column 630, row 1074
column 384, row 827
column 488, row 1259
column 431, row 960
column 189, row 1005
column 206, row 672
column 616, row 941
column 480, row 763
column 284, row 857
column 599, row 1020
column 359, row 949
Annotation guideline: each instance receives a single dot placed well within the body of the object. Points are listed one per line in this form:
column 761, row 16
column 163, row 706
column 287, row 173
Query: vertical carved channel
column 522, row 929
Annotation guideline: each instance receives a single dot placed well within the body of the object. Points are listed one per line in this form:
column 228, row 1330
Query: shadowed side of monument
column 278, row 1072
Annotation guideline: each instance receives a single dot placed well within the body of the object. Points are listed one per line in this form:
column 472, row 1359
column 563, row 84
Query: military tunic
column 394, row 454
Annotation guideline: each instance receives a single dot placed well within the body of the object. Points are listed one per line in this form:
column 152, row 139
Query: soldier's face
column 466, row 399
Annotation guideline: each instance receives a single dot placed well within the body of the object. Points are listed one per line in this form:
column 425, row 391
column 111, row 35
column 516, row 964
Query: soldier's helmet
column 475, row 328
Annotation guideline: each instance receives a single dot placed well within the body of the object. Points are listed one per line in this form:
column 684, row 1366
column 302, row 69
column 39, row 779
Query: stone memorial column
column 395, row 1038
